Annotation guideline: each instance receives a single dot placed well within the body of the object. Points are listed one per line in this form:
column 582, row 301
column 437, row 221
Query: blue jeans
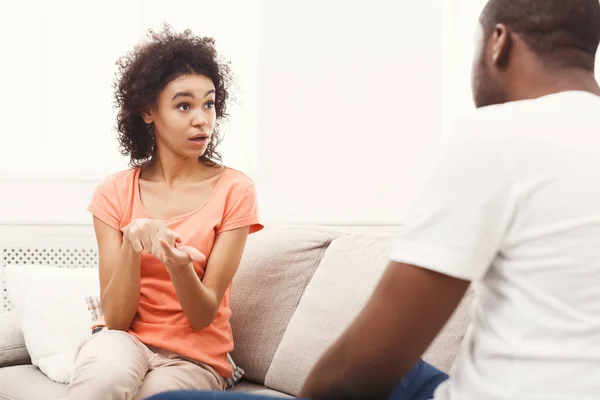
column 418, row 384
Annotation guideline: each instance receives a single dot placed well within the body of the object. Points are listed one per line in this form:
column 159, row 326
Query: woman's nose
column 199, row 119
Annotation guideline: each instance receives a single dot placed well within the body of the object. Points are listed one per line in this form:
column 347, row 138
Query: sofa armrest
column 12, row 343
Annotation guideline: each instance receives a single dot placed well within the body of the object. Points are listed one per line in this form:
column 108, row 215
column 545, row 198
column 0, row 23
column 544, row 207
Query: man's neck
column 546, row 83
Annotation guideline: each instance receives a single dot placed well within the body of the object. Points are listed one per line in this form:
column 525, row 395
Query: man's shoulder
column 493, row 117
column 538, row 110
column 477, row 128
column 512, row 121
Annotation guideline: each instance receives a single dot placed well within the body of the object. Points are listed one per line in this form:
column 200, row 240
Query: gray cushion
column 258, row 389
column 277, row 265
column 12, row 344
column 26, row 382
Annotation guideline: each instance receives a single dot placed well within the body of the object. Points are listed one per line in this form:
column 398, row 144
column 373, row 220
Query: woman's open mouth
column 199, row 140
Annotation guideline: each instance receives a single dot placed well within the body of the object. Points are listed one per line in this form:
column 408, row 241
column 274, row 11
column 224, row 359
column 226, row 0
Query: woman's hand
column 167, row 250
column 142, row 234
column 151, row 236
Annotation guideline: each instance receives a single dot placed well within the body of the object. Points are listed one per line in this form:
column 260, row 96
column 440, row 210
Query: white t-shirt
column 513, row 204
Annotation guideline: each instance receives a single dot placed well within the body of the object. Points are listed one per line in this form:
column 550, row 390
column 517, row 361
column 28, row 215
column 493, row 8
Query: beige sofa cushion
column 341, row 285
column 12, row 344
column 275, row 269
column 26, row 382
column 258, row 389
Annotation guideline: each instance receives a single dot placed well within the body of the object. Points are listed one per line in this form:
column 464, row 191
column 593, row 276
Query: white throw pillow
column 53, row 313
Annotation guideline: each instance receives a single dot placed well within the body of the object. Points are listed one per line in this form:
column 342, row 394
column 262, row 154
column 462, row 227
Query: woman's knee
column 108, row 344
column 111, row 362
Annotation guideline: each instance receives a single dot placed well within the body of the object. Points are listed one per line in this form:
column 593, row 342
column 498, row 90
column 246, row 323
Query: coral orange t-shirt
column 160, row 320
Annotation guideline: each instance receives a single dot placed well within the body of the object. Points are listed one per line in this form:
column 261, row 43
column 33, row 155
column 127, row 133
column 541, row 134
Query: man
column 512, row 205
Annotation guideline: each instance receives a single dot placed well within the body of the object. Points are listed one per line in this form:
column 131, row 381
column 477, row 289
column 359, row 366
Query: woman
column 171, row 230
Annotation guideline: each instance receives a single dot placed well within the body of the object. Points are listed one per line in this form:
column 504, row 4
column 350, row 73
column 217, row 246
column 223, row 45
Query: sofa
column 296, row 290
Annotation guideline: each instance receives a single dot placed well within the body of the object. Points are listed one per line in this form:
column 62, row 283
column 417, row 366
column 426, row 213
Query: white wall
column 460, row 22
column 350, row 104
column 461, row 18
column 58, row 116
column 339, row 102
column 57, row 138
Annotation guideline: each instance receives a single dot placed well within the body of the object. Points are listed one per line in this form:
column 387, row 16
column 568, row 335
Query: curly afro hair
column 143, row 74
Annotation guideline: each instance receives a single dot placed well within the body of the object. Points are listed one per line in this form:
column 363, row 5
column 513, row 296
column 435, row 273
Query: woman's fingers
column 172, row 256
column 137, row 245
column 147, row 243
column 194, row 254
column 169, row 236
column 166, row 246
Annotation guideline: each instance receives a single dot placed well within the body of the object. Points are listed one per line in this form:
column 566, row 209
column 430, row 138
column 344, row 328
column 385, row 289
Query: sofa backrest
column 275, row 273
column 276, row 266
column 296, row 292
column 340, row 287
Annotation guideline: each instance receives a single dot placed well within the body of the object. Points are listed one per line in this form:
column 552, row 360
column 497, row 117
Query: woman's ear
column 148, row 115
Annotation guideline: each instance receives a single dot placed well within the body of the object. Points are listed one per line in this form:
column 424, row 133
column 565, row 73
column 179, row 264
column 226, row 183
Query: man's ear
column 501, row 45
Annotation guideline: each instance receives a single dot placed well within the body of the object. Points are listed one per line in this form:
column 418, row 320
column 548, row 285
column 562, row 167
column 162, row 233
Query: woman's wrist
column 179, row 270
column 127, row 249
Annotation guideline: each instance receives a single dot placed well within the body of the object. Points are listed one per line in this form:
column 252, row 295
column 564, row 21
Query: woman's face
column 184, row 118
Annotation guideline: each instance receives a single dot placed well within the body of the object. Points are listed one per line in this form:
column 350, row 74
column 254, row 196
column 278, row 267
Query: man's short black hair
column 551, row 28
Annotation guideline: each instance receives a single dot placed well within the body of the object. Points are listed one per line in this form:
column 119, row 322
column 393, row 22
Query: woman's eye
column 183, row 107
column 210, row 104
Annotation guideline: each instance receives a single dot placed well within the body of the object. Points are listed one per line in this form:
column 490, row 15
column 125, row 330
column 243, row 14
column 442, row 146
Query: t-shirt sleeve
column 459, row 222
column 105, row 204
column 241, row 209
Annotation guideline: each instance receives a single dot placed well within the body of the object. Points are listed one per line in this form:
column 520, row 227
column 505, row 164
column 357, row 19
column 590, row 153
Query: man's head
column 518, row 39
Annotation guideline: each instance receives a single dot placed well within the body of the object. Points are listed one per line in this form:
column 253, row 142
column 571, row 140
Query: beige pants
column 114, row 365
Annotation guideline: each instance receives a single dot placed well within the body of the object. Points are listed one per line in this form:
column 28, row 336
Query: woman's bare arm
column 119, row 266
column 200, row 300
